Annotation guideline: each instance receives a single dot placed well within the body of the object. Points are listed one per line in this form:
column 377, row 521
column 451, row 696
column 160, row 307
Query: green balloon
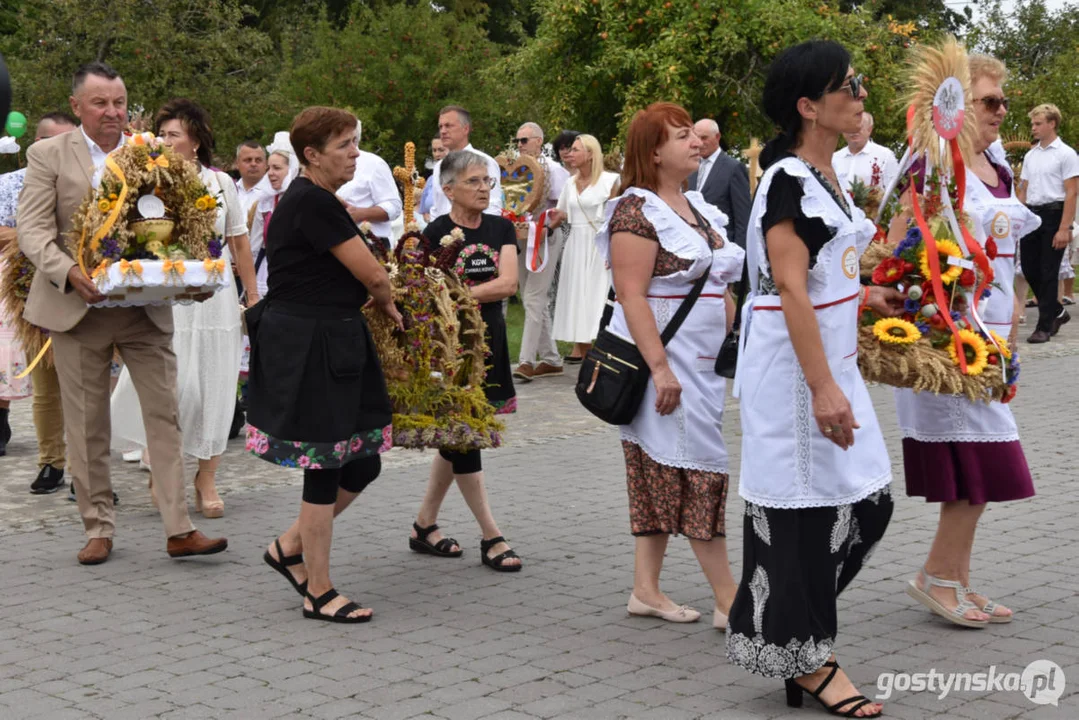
column 16, row 124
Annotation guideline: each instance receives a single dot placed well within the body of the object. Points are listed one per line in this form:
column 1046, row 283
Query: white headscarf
column 280, row 144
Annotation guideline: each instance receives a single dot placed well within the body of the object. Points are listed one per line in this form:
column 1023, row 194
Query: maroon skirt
column 980, row 472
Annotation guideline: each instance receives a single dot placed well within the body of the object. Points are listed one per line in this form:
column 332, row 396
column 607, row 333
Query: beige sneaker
column 546, row 370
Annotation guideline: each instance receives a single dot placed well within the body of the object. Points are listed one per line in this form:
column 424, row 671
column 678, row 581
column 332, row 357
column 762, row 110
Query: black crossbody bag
column 727, row 359
column 614, row 375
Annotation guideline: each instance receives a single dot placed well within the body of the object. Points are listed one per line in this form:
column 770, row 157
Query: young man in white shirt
column 454, row 128
column 371, row 195
column 1048, row 186
column 864, row 159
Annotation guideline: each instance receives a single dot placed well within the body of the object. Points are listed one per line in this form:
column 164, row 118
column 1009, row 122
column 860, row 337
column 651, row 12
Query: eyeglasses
column 479, row 183
column 992, row 104
column 854, row 85
column 522, row 141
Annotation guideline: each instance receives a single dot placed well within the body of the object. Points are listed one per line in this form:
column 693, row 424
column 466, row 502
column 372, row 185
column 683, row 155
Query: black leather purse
column 613, row 374
column 727, row 358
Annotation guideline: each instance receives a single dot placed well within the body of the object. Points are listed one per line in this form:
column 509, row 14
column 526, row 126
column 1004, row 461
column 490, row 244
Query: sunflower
column 1002, row 344
column 894, row 331
column 945, row 249
column 977, row 354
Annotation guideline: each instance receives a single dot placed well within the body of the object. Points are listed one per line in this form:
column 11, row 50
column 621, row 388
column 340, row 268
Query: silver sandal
column 957, row 614
column 989, row 608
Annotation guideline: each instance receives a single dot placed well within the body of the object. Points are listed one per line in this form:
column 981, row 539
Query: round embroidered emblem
column 1002, row 225
column 949, row 108
column 850, row 263
column 477, row 263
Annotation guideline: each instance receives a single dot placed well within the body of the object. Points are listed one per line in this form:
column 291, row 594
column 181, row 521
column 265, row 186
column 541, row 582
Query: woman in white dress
column 207, row 336
column 583, row 279
column 660, row 243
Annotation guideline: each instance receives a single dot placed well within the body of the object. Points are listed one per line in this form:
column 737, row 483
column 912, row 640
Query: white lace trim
column 775, row 661
column 681, row 464
column 785, row 503
column 960, row 437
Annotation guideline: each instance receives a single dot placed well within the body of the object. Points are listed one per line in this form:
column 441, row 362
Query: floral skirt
column 311, row 455
column 671, row 500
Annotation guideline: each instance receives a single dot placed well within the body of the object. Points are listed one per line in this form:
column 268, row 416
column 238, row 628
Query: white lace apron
column 690, row 437
column 954, row 418
column 786, row 461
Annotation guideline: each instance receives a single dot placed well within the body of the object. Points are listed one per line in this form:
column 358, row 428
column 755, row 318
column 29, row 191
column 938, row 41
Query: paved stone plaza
column 144, row 636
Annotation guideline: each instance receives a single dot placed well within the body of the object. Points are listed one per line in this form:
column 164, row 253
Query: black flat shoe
column 440, row 549
column 342, row 614
column 794, row 696
column 498, row 561
column 573, row 360
column 48, row 481
column 281, row 564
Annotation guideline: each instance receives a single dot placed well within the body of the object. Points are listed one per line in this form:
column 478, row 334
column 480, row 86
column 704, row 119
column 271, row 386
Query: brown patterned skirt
column 671, row 500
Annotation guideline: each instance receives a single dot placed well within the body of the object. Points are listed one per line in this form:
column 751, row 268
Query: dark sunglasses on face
column 854, row 85
column 522, row 141
column 992, row 104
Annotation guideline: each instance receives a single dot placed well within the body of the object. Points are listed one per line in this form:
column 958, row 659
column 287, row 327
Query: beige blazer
column 58, row 176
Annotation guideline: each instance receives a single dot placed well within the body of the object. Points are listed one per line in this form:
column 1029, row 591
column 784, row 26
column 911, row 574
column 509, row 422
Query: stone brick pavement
column 145, row 636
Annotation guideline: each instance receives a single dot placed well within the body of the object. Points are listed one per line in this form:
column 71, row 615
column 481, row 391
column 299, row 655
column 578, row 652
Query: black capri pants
column 464, row 463
column 320, row 486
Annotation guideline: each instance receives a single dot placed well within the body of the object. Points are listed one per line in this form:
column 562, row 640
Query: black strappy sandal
column 281, row 564
column 497, row 562
column 440, row 549
column 341, row 616
column 794, row 696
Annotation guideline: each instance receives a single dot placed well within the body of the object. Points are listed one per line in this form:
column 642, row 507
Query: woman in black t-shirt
column 318, row 400
column 484, row 255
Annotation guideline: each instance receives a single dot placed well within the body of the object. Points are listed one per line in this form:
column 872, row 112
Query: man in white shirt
column 535, row 287
column 1048, row 186
column 371, row 195
column 454, row 127
column 873, row 164
column 253, row 184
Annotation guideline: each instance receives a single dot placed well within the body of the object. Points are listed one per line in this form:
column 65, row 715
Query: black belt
column 1047, row 206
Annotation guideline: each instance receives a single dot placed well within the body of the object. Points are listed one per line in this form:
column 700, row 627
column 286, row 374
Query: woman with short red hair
column 659, row 241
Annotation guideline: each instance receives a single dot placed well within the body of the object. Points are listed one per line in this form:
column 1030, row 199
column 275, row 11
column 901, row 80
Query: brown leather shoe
column 96, row 551
column 524, row 373
column 195, row 543
column 1039, row 336
column 546, row 370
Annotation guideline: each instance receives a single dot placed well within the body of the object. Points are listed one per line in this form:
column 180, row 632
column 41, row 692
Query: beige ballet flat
column 210, row 510
column 719, row 620
column 683, row 614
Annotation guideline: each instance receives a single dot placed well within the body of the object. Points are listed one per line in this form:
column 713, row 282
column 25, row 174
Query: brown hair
column 315, row 126
column 195, row 122
column 648, row 131
column 1050, row 112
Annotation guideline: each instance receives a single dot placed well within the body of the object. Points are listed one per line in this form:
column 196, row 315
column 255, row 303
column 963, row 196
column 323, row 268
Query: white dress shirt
column 373, row 186
column 706, row 167
column 558, row 177
column 98, row 155
column 848, row 165
column 440, row 204
column 1045, row 169
column 248, row 198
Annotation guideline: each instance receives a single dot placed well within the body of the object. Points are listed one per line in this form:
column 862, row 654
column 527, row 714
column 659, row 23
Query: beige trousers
column 48, row 416
column 82, row 357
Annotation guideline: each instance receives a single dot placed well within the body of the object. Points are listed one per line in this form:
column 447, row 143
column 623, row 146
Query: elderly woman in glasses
column 488, row 250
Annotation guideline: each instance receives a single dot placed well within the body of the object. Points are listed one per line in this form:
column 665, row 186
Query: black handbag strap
column 686, row 305
column 744, row 282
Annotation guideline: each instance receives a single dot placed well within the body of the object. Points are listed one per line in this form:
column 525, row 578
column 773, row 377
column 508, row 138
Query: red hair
column 648, row 131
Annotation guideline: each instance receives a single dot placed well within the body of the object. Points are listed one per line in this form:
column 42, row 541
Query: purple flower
column 923, row 328
column 912, row 306
column 956, row 316
column 986, row 294
column 909, row 242
column 214, row 247
column 110, row 248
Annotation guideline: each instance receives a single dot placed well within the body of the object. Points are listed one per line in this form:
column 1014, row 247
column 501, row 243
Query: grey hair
column 867, row 116
column 250, row 145
column 534, row 127
column 712, row 125
column 85, row 70
column 456, row 163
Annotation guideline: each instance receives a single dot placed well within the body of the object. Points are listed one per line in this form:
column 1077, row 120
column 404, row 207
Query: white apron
column 786, row 461
column 690, row 437
column 953, row 418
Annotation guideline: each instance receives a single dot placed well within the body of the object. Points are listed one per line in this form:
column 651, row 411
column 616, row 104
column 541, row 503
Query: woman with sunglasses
column 815, row 470
column 956, row 452
column 482, row 250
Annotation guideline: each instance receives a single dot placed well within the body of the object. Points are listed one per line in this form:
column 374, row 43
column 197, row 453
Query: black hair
column 563, row 140
column 99, row 69
column 808, row 70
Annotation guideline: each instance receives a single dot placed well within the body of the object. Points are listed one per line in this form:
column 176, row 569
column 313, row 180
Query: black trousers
column 1041, row 264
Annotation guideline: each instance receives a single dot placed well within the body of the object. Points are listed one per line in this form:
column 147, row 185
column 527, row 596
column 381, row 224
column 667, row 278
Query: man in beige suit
column 59, row 173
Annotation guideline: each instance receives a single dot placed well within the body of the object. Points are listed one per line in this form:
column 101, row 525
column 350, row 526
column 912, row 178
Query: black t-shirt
column 308, row 221
column 475, row 263
column 785, row 203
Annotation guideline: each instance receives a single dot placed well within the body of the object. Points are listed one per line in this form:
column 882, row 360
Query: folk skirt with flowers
column 317, row 398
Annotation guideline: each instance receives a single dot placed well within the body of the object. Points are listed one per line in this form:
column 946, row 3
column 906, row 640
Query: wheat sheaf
column 930, row 67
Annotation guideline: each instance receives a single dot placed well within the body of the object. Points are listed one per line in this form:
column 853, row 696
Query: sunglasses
column 522, row 141
column 992, row 104
column 854, row 85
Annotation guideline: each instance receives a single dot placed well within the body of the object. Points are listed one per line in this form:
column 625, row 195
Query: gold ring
column 827, row 430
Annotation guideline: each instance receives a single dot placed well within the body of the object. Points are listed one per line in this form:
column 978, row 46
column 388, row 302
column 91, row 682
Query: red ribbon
column 980, row 258
column 541, row 230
